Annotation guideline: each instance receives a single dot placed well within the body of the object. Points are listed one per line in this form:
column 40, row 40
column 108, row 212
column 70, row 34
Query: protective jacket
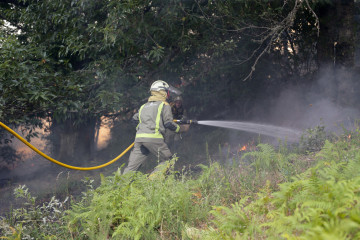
column 178, row 113
column 154, row 117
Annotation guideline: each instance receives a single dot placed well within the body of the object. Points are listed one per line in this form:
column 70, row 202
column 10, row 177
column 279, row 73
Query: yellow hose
column 60, row 163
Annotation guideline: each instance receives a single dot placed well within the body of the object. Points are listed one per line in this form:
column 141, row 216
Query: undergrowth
column 269, row 193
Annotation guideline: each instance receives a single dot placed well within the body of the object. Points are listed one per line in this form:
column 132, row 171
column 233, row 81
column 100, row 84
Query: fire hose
column 74, row 167
column 60, row 163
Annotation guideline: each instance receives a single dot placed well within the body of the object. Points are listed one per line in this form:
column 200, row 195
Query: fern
column 138, row 206
column 263, row 159
column 265, row 199
column 321, row 203
column 232, row 220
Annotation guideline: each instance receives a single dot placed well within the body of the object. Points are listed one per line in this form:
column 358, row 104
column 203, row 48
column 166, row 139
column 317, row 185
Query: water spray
column 269, row 130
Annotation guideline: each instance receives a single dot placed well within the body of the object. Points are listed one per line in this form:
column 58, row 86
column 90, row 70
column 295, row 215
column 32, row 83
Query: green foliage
column 313, row 139
column 138, row 206
column 231, row 219
column 321, row 203
column 34, row 221
column 68, row 54
column 231, row 202
column 268, row 160
column 24, row 73
column 73, row 61
column 264, row 158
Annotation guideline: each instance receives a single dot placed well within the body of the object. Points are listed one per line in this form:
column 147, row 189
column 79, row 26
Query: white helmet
column 159, row 85
column 178, row 98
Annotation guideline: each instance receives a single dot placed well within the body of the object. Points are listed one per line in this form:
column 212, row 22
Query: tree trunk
column 74, row 145
column 336, row 49
column 327, row 37
column 336, row 44
column 345, row 47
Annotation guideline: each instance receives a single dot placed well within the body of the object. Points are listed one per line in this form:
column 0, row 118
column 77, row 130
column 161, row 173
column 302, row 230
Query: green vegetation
column 67, row 64
column 80, row 60
column 270, row 193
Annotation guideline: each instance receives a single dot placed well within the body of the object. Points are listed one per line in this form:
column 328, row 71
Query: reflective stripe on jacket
column 153, row 118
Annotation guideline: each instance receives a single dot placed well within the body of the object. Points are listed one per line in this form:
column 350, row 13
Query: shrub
column 321, row 203
column 34, row 221
column 140, row 206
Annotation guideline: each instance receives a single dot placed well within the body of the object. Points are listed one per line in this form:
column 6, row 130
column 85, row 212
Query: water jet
column 268, row 130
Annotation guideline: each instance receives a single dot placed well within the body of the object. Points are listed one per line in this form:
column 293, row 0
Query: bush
column 272, row 195
column 34, row 221
column 140, row 206
column 313, row 139
column 321, row 203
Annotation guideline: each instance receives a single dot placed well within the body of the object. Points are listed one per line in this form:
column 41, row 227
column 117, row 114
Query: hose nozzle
column 185, row 121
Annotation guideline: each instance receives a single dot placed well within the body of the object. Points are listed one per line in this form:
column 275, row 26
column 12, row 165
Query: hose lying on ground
column 60, row 163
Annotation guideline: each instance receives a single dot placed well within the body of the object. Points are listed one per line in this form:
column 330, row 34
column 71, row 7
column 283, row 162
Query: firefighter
column 178, row 113
column 177, row 108
column 154, row 117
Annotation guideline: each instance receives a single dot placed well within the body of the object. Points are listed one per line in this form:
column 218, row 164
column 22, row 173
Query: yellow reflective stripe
column 157, row 121
column 149, row 135
column 177, row 129
column 139, row 115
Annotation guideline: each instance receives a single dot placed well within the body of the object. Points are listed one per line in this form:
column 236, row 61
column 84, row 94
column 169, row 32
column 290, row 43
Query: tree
column 76, row 61
column 94, row 56
column 336, row 45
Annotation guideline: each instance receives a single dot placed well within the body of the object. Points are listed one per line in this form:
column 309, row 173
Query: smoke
column 330, row 100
